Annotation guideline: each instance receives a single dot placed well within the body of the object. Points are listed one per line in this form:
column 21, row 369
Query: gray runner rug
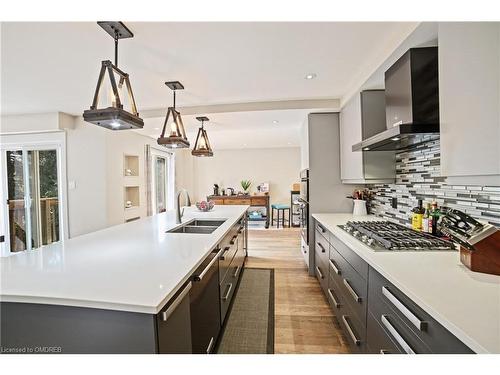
column 249, row 327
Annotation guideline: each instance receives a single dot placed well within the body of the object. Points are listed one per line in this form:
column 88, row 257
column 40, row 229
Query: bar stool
column 280, row 208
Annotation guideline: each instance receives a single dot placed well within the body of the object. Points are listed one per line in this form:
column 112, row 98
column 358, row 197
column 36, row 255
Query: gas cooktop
column 383, row 236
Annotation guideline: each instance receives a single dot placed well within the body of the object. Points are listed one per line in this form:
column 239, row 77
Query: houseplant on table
column 245, row 184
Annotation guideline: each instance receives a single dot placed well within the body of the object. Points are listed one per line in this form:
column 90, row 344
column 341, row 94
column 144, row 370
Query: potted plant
column 245, row 184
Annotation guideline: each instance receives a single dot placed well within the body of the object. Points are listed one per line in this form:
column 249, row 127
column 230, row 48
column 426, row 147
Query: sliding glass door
column 32, row 191
column 161, row 180
column 160, row 177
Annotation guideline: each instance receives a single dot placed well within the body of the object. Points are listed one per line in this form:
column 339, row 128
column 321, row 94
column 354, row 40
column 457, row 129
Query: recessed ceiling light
column 395, row 139
column 366, row 148
column 311, row 76
column 156, row 128
column 275, row 121
column 244, row 145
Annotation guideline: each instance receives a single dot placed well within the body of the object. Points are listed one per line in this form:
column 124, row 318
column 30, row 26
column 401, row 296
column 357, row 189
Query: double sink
column 200, row 226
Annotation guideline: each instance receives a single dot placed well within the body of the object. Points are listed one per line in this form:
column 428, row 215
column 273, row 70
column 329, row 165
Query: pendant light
column 173, row 134
column 114, row 117
column 202, row 145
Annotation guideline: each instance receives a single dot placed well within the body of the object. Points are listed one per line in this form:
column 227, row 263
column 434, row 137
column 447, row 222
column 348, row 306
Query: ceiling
column 53, row 66
column 256, row 129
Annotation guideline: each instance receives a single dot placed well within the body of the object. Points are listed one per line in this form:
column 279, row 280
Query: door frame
column 51, row 140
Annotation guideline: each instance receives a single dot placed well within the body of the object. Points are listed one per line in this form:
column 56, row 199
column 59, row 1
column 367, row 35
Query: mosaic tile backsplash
column 418, row 177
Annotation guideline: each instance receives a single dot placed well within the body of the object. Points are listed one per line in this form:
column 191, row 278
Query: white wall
column 86, row 168
column 278, row 166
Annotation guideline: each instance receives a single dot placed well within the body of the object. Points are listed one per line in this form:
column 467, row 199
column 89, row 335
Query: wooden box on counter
column 486, row 256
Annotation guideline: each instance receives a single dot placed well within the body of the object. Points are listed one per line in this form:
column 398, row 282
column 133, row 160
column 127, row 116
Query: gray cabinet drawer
column 322, row 246
column 321, row 271
column 354, row 259
column 353, row 327
column 398, row 331
column 230, row 281
column 322, row 230
column 353, row 286
column 416, row 320
column 378, row 340
column 230, row 246
column 335, row 298
column 354, row 331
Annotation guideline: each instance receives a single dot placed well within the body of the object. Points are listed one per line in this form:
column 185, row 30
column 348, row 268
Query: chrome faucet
column 179, row 212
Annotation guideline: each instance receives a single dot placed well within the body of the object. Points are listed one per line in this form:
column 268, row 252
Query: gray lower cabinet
column 205, row 308
column 409, row 326
column 174, row 325
column 231, row 264
column 38, row 328
column 374, row 315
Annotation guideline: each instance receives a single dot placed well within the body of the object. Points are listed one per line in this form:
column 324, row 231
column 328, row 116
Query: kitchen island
column 434, row 284
column 124, row 279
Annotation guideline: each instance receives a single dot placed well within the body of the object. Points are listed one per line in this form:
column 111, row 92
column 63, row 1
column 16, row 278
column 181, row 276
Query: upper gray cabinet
column 469, row 95
column 362, row 117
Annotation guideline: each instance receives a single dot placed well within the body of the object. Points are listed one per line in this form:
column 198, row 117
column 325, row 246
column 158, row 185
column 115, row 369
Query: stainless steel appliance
column 304, row 205
column 412, row 102
column 387, row 236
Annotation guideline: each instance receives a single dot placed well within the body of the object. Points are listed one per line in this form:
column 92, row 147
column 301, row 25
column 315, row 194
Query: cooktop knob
column 355, row 233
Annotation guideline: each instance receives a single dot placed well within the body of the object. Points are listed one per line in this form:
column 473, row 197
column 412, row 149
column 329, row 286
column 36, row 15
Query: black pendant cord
column 116, row 49
column 174, row 99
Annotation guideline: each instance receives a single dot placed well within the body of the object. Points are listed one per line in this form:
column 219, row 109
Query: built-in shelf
column 132, row 195
column 131, row 165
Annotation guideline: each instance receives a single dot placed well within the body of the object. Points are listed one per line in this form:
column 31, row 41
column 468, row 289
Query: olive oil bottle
column 417, row 216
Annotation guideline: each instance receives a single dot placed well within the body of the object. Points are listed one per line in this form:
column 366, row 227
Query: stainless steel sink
column 206, row 222
column 193, row 229
column 201, row 226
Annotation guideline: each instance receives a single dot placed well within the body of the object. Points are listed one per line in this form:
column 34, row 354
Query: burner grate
column 391, row 236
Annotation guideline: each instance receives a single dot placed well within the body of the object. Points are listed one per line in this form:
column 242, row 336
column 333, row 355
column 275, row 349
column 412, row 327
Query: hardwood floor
column 304, row 322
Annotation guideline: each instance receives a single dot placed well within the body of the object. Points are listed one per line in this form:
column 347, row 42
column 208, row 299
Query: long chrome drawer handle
column 170, row 310
column 335, row 302
column 421, row 326
column 334, row 266
column 395, row 334
column 320, row 273
column 210, row 344
column 351, row 290
column 228, row 292
column 351, row 332
column 207, row 268
column 223, row 252
column 323, row 250
column 236, row 272
column 321, row 228
column 233, row 239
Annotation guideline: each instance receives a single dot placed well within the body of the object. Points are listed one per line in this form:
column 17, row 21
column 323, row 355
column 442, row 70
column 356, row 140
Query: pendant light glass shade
column 202, row 145
column 109, row 112
column 173, row 134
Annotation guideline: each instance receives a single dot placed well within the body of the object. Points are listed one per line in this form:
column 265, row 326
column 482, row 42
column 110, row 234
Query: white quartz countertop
column 135, row 266
column 466, row 303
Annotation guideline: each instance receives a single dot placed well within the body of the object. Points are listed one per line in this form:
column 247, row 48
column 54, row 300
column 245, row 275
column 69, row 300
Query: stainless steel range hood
column 412, row 103
column 399, row 138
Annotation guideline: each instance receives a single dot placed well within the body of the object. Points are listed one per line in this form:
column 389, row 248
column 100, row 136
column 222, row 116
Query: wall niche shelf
column 131, row 165
column 132, row 195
